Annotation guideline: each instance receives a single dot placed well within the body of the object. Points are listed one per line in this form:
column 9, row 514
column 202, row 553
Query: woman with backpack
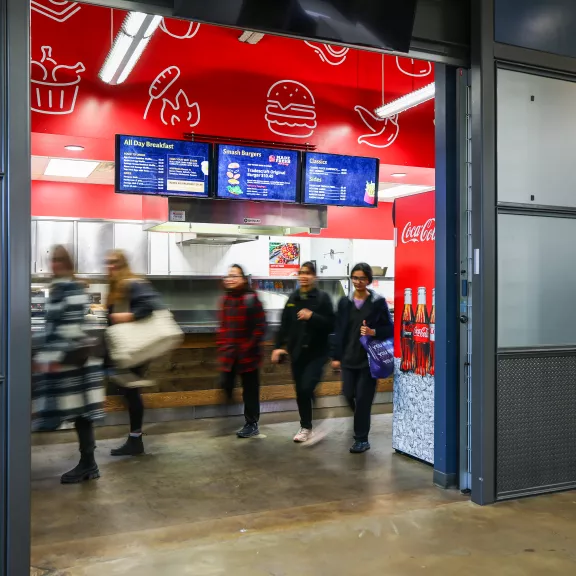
column 364, row 313
column 240, row 335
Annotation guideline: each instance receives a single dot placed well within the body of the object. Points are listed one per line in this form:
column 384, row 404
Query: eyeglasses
column 234, row 276
column 305, row 273
column 111, row 262
column 359, row 279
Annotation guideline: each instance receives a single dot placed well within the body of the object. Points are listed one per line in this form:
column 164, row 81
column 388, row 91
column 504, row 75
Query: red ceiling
column 227, row 79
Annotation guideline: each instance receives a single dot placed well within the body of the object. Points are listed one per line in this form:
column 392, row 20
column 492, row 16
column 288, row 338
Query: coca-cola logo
column 421, row 332
column 423, row 233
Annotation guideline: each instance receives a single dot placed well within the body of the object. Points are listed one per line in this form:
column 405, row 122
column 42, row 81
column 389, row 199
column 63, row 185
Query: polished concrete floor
column 204, row 503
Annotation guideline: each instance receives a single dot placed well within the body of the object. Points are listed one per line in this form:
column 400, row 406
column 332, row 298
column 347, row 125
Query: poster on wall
column 414, row 314
column 284, row 258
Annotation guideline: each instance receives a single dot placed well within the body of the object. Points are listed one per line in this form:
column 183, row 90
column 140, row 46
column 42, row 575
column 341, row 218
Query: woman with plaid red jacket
column 240, row 336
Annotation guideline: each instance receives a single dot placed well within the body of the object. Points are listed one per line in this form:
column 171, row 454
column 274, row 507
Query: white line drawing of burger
column 421, row 67
column 179, row 29
column 54, row 86
column 291, row 110
column 333, row 55
column 58, row 10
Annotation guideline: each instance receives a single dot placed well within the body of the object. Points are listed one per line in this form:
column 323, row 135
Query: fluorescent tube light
column 70, row 168
column 406, row 102
column 132, row 39
column 74, row 148
column 251, row 37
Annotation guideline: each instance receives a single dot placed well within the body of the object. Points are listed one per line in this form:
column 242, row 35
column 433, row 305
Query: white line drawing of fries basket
column 54, row 97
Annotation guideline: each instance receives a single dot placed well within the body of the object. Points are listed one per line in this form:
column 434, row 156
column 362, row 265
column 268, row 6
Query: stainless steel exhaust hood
column 229, row 221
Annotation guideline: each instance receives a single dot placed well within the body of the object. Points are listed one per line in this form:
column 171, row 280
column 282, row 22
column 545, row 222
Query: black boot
column 134, row 446
column 87, row 469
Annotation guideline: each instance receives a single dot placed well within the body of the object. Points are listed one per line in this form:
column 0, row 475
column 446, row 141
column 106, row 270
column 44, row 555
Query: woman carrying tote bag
column 67, row 381
column 130, row 299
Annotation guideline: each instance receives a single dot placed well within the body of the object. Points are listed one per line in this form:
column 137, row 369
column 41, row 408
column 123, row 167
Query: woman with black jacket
column 365, row 313
column 307, row 322
column 130, row 299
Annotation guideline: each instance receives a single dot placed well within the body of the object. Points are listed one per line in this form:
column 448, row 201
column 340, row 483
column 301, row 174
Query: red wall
column 226, row 83
column 67, row 200
column 228, row 80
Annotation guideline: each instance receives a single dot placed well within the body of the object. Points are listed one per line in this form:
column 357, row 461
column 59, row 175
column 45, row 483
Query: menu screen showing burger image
column 156, row 166
column 264, row 174
column 334, row 180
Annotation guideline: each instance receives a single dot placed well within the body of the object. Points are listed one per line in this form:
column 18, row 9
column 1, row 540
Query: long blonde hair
column 120, row 278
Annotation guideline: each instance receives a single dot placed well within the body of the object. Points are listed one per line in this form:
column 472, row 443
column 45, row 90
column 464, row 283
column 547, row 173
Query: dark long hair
column 366, row 268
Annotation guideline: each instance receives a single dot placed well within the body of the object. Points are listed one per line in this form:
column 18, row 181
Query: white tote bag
column 135, row 343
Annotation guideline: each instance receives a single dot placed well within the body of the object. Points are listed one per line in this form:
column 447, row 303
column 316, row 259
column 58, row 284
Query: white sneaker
column 303, row 435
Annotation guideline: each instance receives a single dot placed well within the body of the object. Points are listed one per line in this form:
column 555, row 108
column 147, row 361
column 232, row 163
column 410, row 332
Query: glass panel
column 536, row 279
column 536, row 139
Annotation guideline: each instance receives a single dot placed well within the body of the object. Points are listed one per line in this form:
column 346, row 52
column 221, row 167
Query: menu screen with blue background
column 335, row 180
column 248, row 173
column 162, row 167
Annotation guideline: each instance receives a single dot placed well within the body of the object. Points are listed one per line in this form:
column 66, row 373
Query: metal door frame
column 15, row 353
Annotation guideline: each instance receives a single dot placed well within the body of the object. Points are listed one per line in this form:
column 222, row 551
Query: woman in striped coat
column 68, row 384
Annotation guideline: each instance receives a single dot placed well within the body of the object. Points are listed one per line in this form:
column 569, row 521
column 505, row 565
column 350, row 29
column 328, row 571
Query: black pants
column 250, row 392
column 307, row 373
column 135, row 408
column 359, row 388
column 85, row 432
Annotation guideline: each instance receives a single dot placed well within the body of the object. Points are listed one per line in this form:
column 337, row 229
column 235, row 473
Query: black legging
column 135, row 408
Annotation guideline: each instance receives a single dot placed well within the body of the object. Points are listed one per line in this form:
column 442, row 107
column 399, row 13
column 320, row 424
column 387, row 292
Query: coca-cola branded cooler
column 414, row 317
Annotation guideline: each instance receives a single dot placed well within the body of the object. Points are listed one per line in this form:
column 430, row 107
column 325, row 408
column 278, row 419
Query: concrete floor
column 206, row 504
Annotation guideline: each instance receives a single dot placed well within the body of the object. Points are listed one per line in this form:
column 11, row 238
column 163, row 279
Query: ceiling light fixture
column 399, row 175
column 250, row 37
column 67, row 168
column 74, row 148
column 133, row 37
column 406, row 102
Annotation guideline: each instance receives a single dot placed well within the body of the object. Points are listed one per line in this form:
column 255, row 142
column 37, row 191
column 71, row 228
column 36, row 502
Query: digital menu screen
column 264, row 174
column 335, row 180
column 157, row 166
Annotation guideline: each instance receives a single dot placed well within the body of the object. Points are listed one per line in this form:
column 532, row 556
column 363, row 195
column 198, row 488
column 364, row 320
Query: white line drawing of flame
column 181, row 102
column 333, row 55
column 281, row 118
column 51, row 96
column 193, row 28
column 384, row 130
column 423, row 68
column 60, row 12
column 161, row 84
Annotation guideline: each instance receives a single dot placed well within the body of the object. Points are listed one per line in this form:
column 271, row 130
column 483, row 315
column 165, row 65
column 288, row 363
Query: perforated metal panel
column 536, row 423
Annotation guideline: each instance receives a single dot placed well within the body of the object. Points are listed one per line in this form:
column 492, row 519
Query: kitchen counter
column 189, row 376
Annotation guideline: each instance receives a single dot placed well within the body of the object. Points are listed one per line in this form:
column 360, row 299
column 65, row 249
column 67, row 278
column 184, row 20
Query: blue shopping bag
column 380, row 356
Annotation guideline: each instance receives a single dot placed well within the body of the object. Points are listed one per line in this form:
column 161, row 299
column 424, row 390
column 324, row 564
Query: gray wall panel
column 536, row 281
column 536, row 139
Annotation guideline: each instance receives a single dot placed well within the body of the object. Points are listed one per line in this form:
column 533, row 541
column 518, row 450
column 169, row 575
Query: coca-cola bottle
column 432, row 334
column 421, row 335
column 407, row 364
